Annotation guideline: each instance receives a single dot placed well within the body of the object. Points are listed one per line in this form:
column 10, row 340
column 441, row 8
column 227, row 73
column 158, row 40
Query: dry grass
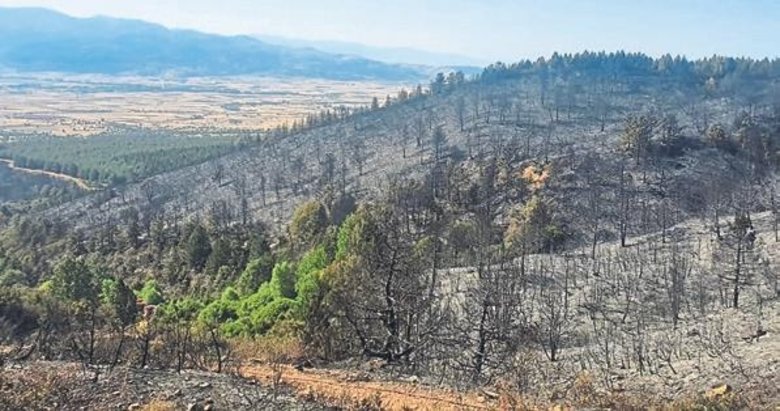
column 269, row 349
column 159, row 405
column 86, row 105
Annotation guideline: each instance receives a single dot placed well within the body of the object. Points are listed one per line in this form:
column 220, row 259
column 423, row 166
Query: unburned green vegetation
column 118, row 157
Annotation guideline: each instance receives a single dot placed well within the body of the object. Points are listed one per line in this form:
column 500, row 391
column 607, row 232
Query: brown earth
column 355, row 389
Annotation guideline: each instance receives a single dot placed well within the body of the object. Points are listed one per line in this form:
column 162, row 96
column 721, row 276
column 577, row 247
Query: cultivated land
column 83, row 105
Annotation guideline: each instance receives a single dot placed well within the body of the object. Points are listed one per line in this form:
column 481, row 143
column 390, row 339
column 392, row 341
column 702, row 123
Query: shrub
column 283, row 279
column 257, row 272
column 150, row 294
column 308, row 275
column 12, row 277
column 308, row 223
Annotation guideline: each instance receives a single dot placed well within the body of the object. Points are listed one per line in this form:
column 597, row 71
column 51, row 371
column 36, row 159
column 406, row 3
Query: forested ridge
column 583, row 230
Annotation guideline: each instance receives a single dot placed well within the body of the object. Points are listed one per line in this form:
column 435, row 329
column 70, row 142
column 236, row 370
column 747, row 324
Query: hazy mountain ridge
column 42, row 40
column 393, row 55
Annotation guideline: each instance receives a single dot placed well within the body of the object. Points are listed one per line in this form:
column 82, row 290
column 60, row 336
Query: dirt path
column 80, row 183
column 344, row 389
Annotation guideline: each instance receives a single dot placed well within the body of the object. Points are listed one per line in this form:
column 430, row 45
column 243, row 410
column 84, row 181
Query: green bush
column 12, row 277
column 347, row 232
column 219, row 312
column 307, row 282
column 283, row 279
column 150, row 294
column 257, row 272
column 75, row 280
column 268, row 315
column 183, row 310
column 308, row 223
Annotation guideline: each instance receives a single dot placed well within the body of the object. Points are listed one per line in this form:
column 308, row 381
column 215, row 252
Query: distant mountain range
column 393, row 55
column 34, row 39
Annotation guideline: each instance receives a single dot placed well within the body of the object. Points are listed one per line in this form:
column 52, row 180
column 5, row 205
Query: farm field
column 83, row 105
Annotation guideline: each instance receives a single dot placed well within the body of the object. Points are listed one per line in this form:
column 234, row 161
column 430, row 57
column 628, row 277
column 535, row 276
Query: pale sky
column 490, row 30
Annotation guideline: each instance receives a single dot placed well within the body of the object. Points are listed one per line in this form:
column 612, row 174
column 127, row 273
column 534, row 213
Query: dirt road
column 352, row 390
column 78, row 182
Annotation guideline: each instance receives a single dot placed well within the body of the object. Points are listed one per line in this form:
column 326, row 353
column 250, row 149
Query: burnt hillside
column 565, row 110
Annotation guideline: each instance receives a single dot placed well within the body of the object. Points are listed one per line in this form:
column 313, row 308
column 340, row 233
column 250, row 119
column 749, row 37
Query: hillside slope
column 592, row 231
column 512, row 120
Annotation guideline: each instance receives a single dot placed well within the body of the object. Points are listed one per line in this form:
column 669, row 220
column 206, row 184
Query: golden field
column 89, row 104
